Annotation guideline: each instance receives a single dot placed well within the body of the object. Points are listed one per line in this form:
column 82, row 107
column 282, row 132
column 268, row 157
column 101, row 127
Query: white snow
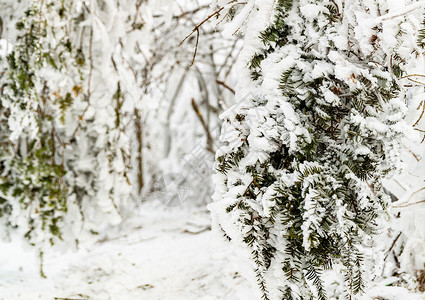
column 164, row 254
column 167, row 254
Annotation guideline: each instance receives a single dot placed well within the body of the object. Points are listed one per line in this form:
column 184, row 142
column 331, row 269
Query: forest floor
column 164, row 254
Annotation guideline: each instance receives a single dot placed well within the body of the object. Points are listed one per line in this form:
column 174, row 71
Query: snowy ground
column 164, row 255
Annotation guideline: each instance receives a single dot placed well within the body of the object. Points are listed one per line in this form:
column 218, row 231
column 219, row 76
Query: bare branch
column 204, row 124
column 196, row 48
column 226, row 86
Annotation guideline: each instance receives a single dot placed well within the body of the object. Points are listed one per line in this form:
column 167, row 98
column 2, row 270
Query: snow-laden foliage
column 318, row 126
column 404, row 253
column 66, row 97
column 31, row 176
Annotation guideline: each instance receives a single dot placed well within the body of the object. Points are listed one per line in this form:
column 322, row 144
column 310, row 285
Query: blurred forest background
column 110, row 105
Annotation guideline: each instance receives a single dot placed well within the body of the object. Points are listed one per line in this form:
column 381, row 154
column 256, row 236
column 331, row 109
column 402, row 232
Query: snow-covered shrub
column 318, row 127
column 65, row 103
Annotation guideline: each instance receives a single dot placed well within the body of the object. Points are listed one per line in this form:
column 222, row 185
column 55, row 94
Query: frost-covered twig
column 406, row 11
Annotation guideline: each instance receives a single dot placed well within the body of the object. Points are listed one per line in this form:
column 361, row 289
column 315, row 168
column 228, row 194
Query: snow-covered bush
column 65, row 101
column 318, row 126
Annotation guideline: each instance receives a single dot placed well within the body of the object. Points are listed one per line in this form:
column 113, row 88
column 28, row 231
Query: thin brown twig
column 247, row 188
column 191, row 12
column 87, row 8
column 420, row 117
column 139, row 157
column 396, row 181
column 134, row 24
column 392, row 246
column 202, row 23
column 229, row 10
column 196, row 48
column 226, row 86
column 336, row 5
column 215, row 13
column 225, row 15
column 413, row 75
column 414, row 155
column 422, row 104
column 416, row 81
column 204, row 124
column 410, row 204
column 242, row 23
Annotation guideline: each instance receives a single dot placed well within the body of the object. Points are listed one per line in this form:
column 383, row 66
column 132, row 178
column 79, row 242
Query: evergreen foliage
column 33, row 167
column 300, row 175
column 64, row 156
